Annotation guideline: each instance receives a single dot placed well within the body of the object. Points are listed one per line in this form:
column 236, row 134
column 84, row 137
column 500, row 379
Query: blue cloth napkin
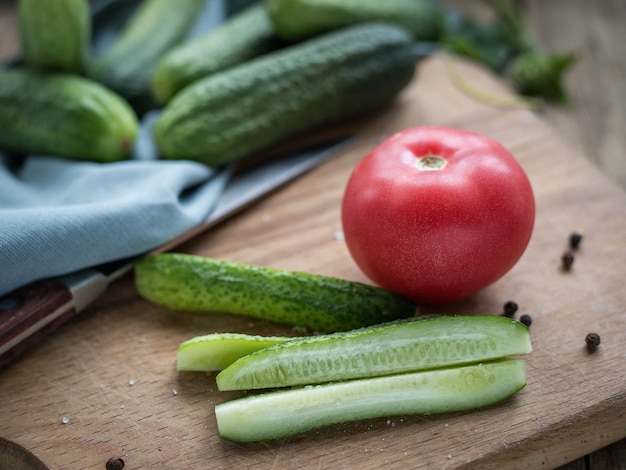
column 58, row 216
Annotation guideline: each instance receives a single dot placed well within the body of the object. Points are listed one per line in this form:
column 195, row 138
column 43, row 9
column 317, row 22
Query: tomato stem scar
column 431, row 162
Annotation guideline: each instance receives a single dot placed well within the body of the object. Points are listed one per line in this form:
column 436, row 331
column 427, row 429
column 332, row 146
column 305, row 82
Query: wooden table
column 595, row 123
column 84, row 371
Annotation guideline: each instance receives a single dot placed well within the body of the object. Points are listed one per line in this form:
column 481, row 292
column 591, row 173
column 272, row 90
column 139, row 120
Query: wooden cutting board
column 105, row 385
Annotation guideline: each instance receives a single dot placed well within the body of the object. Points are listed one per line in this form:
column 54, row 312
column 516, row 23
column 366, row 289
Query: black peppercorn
column 510, row 308
column 574, row 240
column 115, row 463
column 526, row 320
column 567, row 260
column 593, row 341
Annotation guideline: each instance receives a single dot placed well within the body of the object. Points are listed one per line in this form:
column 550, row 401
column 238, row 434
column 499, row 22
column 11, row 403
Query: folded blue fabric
column 58, row 216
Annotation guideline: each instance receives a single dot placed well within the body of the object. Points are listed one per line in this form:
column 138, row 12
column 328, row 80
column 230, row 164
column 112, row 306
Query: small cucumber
column 235, row 6
column 216, row 351
column 285, row 413
column 408, row 346
column 155, row 28
column 235, row 112
column 320, row 303
column 295, row 20
column 63, row 115
column 55, row 35
column 244, row 36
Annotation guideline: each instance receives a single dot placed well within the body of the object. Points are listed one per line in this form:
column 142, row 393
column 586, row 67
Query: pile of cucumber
column 47, row 104
column 376, row 359
column 270, row 70
column 431, row 365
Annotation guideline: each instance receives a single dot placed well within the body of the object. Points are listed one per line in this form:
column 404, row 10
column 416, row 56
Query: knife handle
column 30, row 313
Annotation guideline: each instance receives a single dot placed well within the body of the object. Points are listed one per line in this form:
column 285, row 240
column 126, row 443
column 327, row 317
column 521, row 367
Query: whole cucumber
column 230, row 114
column 64, row 115
column 320, row 303
column 244, row 36
column 55, row 34
column 155, row 28
column 295, row 20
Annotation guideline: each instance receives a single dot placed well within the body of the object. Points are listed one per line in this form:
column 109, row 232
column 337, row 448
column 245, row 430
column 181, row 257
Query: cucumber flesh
column 409, row 346
column 319, row 303
column 216, row 351
column 285, row 413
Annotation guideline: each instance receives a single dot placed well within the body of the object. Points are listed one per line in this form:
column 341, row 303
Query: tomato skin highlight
column 445, row 232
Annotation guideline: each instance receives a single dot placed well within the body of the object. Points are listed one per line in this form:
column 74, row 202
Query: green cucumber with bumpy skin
column 155, row 28
column 407, row 346
column 63, row 115
column 285, row 413
column 236, row 112
column 320, row 303
column 246, row 35
column 55, row 35
column 296, row 20
column 216, row 351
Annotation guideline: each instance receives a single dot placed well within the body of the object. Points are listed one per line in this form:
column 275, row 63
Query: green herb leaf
column 506, row 45
column 539, row 74
column 492, row 44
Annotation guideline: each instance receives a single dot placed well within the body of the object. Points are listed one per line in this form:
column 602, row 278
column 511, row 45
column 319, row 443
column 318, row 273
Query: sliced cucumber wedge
column 216, row 351
column 391, row 348
column 320, row 303
column 276, row 415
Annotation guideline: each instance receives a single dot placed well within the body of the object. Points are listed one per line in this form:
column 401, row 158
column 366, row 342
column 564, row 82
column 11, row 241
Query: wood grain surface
column 594, row 123
column 105, row 385
column 574, row 403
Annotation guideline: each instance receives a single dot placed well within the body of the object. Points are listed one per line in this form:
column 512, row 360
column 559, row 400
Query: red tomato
column 437, row 214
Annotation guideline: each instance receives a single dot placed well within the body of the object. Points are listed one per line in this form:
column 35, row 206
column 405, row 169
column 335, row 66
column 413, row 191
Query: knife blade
column 31, row 313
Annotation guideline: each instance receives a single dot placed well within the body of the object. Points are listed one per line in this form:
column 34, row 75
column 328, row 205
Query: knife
column 30, row 313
